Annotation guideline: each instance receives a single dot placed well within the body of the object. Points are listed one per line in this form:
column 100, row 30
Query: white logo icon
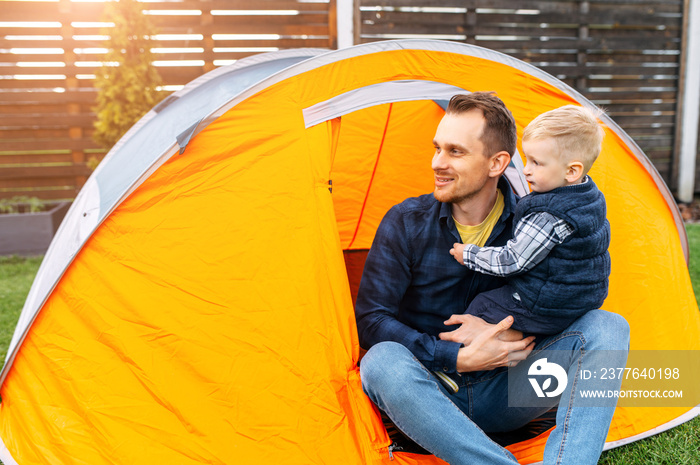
column 543, row 368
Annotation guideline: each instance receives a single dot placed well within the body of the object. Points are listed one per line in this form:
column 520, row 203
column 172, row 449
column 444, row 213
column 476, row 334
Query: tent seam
column 371, row 179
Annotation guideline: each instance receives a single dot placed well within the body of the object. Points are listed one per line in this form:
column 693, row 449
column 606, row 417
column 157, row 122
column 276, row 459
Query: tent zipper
column 393, row 447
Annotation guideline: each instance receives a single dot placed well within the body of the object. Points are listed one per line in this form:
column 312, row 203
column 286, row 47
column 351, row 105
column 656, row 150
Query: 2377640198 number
column 640, row 373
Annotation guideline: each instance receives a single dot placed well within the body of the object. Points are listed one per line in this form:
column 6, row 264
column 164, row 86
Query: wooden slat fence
column 623, row 55
column 49, row 51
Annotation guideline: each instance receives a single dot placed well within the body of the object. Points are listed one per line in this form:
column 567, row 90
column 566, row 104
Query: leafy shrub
column 22, row 204
column 127, row 82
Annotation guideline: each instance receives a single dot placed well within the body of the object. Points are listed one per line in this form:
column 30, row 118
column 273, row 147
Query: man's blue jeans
column 452, row 426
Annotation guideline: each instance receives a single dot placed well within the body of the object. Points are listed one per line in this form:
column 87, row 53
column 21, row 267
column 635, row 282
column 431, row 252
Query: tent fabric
column 135, row 156
column 203, row 311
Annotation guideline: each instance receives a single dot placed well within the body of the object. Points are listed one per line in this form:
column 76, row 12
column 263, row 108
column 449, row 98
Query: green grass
column 16, row 276
column 681, row 445
column 694, row 247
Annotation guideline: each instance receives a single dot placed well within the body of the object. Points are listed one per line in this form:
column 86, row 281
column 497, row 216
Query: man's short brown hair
column 500, row 133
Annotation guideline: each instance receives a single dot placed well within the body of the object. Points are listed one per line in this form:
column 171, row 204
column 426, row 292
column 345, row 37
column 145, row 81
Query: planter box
column 30, row 233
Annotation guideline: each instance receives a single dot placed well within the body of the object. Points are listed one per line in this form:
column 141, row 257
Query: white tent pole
column 690, row 109
column 345, row 16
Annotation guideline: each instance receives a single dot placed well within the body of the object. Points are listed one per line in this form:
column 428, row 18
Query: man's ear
column 574, row 172
column 498, row 163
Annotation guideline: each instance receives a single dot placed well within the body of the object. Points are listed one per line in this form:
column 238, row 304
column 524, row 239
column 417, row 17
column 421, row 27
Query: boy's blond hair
column 576, row 130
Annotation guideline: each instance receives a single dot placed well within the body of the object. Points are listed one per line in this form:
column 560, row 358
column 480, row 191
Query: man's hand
column 457, row 251
column 471, row 326
column 489, row 347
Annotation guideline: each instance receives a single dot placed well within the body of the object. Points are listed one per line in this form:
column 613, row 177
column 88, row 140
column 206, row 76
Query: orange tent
column 196, row 304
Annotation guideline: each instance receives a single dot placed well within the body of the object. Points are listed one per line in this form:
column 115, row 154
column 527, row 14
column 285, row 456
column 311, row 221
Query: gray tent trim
column 184, row 137
column 377, row 94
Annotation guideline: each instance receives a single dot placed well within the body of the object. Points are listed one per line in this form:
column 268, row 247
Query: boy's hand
column 457, row 251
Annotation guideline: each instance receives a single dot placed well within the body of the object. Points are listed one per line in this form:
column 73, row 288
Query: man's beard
column 455, row 195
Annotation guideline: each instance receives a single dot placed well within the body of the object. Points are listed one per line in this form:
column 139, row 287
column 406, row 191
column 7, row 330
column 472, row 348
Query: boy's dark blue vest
column 573, row 278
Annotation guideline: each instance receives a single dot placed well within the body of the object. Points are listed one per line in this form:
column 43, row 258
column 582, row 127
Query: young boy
column 558, row 260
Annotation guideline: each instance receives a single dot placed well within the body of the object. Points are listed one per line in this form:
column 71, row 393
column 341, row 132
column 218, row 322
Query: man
column 413, row 295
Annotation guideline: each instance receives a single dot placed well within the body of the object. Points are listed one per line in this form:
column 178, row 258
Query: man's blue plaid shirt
column 411, row 284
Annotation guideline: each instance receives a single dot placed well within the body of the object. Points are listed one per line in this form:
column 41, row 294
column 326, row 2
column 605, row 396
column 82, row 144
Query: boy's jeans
column 452, row 426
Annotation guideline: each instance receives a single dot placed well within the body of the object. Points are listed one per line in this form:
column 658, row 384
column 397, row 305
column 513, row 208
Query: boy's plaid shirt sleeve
column 534, row 237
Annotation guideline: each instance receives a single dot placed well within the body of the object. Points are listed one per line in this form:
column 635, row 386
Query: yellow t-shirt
column 478, row 234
